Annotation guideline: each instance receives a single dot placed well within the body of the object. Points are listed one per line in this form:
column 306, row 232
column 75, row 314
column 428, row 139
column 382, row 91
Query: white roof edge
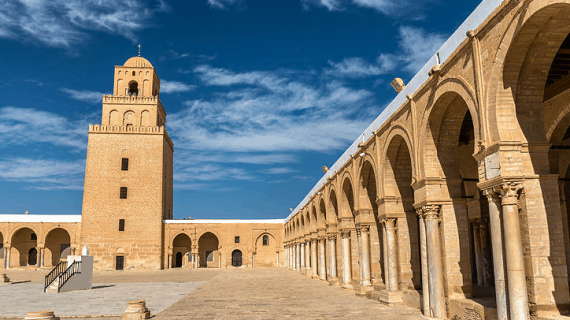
column 204, row 221
column 61, row 218
column 475, row 19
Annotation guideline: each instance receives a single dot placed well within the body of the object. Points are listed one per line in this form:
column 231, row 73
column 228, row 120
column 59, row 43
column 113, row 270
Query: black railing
column 73, row 269
column 50, row 278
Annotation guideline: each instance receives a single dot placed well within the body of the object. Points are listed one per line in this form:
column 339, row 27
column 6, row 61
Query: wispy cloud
column 355, row 68
column 21, row 126
column 281, row 170
column 62, row 23
column 44, row 174
column 263, row 118
column 84, row 95
column 225, row 4
column 416, row 45
column 174, row 86
column 386, row 7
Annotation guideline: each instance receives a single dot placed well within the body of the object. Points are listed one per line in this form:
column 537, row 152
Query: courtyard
column 196, row 294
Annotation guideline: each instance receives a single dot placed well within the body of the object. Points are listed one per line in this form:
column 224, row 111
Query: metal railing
column 73, row 269
column 50, row 278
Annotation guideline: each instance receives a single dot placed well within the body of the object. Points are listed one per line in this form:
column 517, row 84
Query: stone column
column 314, row 258
column 435, row 267
column 8, row 254
column 332, row 249
column 302, row 257
column 39, row 262
column 322, row 259
column 385, row 255
column 298, row 255
column 392, row 284
column 477, row 244
column 346, row 267
column 486, row 252
column 308, row 260
column 518, row 296
column 424, row 264
column 498, row 260
column 169, row 261
column 364, row 255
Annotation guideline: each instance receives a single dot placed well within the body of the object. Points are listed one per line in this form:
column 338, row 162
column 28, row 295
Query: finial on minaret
column 139, row 50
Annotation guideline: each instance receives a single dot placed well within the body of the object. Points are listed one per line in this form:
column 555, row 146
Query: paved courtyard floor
column 198, row 294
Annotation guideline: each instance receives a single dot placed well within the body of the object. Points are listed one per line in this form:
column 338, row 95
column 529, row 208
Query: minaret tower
column 128, row 175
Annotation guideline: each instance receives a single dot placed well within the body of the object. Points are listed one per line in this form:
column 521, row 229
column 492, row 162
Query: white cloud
column 384, row 6
column 44, row 174
column 84, row 95
column 62, row 23
column 21, row 126
column 355, row 68
column 281, row 170
column 174, row 86
column 224, row 4
column 331, row 5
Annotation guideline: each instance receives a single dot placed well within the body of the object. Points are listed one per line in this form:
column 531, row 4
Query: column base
column 335, row 282
column 390, row 297
column 362, row 290
column 347, row 286
column 314, row 276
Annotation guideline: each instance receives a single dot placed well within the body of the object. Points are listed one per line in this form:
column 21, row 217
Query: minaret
column 128, row 175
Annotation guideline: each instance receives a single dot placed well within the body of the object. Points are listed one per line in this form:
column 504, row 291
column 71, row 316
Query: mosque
column 452, row 201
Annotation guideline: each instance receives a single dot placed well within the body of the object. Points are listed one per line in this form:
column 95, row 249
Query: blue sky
column 259, row 94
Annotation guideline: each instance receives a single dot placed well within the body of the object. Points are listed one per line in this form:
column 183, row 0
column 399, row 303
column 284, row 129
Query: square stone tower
column 128, row 175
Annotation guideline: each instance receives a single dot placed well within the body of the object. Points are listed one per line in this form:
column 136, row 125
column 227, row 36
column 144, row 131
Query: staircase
column 57, row 278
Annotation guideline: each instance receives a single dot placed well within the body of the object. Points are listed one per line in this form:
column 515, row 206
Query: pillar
column 424, row 264
column 486, row 252
column 8, row 255
column 498, row 259
column 435, row 267
column 302, row 245
column 322, row 259
column 385, row 254
column 346, row 267
column 478, row 253
column 516, row 278
column 169, row 261
column 332, row 249
column 364, row 255
column 314, row 257
column 308, row 261
column 298, row 256
column 391, row 253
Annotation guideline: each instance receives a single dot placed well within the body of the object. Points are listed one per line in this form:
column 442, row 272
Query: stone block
column 136, row 310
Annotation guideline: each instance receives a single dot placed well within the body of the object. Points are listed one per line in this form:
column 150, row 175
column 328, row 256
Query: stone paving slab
column 277, row 294
column 102, row 300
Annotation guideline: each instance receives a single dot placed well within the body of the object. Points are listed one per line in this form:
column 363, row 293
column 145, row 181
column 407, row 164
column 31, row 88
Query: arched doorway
column 208, row 251
column 32, row 257
column 181, row 245
column 22, row 242
column 236, row 258
column 178, row 262
column 57, row 241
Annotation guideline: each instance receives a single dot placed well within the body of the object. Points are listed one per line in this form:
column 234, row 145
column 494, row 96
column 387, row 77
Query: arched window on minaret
column 114, row 118
column 133, row 88
column 129, row 119
column 145, row 118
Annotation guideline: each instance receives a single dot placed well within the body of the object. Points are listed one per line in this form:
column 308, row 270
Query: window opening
column 123, row 193
column 265, row 240
column 125, row 164
column 121, row 224
column 236, row 240
column 133, row 89
column 33, row 237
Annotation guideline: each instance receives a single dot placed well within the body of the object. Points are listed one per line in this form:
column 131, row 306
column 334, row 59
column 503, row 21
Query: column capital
column 331, row 236
column 389, row 222
column 431, row 212
column 345, row 234
column 491, row 194
column 509, row 192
